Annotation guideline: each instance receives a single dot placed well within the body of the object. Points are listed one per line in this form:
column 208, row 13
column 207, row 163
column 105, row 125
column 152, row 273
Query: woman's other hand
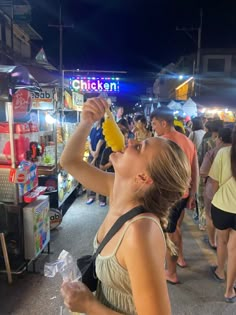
column 94, row 110
column 77, row 297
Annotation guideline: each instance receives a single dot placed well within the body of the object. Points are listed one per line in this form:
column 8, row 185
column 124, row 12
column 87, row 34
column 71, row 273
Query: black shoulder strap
column 117, row 225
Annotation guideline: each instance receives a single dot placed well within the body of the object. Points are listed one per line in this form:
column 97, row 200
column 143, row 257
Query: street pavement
column 33, row 294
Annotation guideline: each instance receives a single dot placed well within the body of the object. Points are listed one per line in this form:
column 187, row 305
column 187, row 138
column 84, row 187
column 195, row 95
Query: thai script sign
column 78, row 101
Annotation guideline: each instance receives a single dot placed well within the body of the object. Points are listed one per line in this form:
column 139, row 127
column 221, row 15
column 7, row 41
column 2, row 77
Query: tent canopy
column 13, row 78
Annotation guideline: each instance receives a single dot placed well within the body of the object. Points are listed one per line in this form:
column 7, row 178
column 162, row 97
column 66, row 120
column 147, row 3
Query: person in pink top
column 163, row 124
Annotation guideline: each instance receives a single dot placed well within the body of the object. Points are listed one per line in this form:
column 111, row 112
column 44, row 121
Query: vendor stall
column 60, row 116
column 24, row 212
column 56, row 124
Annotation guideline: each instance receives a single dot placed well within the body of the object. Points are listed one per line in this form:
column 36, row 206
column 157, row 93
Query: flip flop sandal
column 172, row 282
column 206, row 240
column 215, row 276
column 230, row 300
column 182, row 266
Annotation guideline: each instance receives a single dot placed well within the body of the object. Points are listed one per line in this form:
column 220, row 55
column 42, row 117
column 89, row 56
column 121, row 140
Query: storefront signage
column 94, row 84
column 78, row 101
column 21, row 103
column 43, row 99
column 22, row 13
column 74, row 101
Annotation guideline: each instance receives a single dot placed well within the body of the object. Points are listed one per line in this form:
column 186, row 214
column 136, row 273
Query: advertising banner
column 43, row 100
column 22, row 13
column 21, row 103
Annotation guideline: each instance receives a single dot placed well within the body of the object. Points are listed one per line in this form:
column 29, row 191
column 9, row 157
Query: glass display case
column 56, row 125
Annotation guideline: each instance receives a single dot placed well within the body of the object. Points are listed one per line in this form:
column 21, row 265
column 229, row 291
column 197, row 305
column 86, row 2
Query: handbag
column 86, row 264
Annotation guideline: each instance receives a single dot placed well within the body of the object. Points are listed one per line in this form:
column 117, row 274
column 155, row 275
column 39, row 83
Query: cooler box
column 36, row 227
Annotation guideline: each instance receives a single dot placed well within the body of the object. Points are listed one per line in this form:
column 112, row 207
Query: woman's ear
column 144, row 179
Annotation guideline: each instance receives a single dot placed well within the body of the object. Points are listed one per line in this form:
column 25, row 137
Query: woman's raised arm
column 72, row 157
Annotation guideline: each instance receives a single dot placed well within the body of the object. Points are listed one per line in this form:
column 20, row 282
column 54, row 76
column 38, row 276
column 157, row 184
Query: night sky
column 131, row 35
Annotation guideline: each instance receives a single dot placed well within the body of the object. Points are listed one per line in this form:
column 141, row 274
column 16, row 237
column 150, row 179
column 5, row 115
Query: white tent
column 190, row 108
column 174, row 105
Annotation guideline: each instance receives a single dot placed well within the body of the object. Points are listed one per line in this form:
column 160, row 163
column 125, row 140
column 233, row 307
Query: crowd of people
column 132, row 128
column 165, row 169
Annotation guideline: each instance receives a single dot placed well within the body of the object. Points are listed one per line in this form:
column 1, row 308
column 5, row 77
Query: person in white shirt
column 197, row 132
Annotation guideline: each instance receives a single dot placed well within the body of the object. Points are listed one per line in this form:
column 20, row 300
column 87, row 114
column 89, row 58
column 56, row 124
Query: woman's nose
column 132, row 141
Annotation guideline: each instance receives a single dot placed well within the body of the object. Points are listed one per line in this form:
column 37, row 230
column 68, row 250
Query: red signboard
column 21, row 103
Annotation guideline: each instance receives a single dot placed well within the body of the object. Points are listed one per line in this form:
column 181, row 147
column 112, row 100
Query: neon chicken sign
column 94, row 84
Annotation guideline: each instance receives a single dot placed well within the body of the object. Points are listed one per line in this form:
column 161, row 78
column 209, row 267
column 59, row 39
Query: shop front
column 24, row 209
column 56, row 122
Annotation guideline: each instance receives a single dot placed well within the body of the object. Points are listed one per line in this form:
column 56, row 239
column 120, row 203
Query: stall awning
column 13, row 78
column 44, row 76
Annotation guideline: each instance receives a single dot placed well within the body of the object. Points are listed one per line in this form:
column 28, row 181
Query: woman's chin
column 114, row 156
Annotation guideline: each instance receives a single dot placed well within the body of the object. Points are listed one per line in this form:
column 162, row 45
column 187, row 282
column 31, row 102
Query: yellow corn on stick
column 113, row 136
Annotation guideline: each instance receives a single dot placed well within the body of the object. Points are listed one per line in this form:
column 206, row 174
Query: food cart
column 56, row 123
column 24, row 210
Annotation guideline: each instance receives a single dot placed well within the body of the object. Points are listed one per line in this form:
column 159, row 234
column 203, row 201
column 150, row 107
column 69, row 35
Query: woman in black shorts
column 223, row 211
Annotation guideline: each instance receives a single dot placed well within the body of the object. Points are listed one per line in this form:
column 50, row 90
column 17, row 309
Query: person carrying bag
column 152, row 174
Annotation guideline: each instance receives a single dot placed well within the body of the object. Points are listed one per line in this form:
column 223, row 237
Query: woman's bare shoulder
column 146, row 224
column 143, row 235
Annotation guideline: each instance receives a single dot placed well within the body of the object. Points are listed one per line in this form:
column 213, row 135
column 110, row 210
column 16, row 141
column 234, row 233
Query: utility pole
column 196, row 68
column 61, row 27
column 12, row 27
column 199, row 43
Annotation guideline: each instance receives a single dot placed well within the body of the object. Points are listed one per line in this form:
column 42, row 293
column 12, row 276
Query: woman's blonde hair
column 170, row 171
